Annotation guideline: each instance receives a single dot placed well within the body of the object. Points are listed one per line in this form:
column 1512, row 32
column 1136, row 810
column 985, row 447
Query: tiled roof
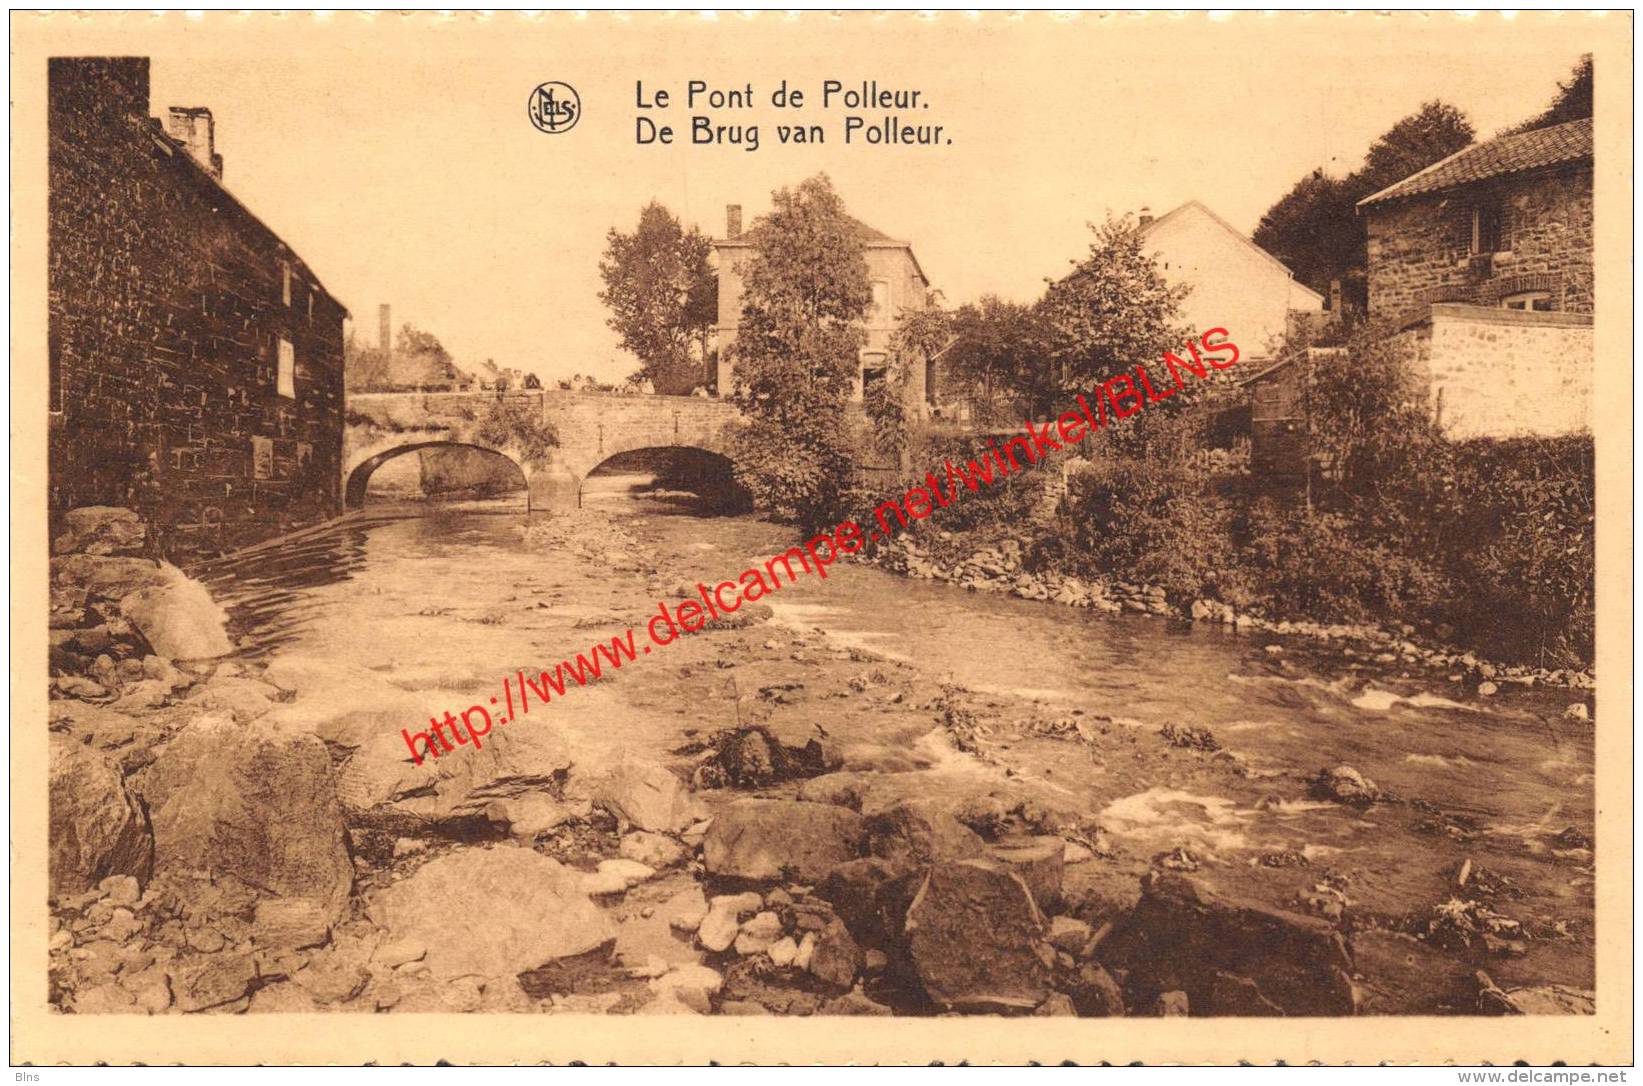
column 1569, row 142
column 869, row 236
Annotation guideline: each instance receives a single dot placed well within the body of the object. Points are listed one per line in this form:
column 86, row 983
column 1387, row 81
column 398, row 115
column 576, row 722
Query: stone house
column 195, row 360
column 899, row 285
column 1482, row 262
column 1235, row 284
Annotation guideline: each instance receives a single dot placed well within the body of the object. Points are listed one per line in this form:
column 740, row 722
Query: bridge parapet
column 591, row 426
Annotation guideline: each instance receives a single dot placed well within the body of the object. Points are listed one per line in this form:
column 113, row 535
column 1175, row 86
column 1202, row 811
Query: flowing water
column 456, row 597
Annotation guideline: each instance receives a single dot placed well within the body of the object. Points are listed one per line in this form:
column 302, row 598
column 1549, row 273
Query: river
column 1062, row 700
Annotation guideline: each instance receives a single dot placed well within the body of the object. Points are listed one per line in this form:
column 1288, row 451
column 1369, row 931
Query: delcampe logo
column 555, row 107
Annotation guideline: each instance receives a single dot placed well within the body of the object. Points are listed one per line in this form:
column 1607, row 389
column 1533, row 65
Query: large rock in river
column 773, row 838
column 913, row 832
column 178, row 617
column 251, row 801
column 382, row 784
column 644, row 794
column 977, row 939
column 97, row 828
column 1230, row 957
column 110, row 578
column 493, row 912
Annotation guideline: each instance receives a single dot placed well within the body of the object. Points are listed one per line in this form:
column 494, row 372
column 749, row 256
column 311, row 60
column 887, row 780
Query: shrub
column 1520, row 535
column 516, row 426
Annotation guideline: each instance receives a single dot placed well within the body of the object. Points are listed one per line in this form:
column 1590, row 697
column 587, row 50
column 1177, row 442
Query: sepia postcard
column 634, row 538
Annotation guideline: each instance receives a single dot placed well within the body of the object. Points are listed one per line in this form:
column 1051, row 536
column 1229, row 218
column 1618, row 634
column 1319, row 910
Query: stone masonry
column 1420, row 247
column 195, row 362
column 591, row 428
column 1494, row 372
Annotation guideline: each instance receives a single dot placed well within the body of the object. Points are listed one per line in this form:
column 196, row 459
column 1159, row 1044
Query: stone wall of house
column 1420, row 249
column 1506, row 373
column 168, row 304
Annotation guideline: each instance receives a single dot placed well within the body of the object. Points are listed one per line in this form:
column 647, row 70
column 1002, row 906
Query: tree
column 796, row 351
column 1437, row 130
column 420, row 360
column 920, row 334
column 662, row 296
column 1369, row 417
column 1572, row 102
column 1315, row 229
column 1114, row 310
column 996, row 357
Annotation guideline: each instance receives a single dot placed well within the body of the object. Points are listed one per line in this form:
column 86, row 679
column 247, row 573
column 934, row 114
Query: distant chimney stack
column 1335, row 296
column 733, row 221
column 1146, row 215
column 385, row 330
column 193, row 127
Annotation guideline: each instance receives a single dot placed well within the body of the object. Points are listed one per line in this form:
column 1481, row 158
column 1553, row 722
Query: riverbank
column 744, row 825
column 998, row 568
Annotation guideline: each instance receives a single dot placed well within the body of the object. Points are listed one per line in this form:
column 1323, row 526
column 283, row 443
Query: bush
column 803, row 478
column 1520, row 534
column 518, row 427
column 1133, row 522
column 1324, row 566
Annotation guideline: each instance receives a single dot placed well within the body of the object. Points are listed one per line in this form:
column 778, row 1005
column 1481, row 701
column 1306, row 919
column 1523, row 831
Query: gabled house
column 1483, row 262
column 1235, row 284
column 899, row 285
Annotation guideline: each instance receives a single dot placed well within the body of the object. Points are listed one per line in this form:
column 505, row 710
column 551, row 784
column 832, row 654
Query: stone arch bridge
column 591, row 426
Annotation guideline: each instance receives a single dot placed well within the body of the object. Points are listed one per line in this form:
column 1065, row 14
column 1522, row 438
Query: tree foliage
column 662, row 296
column 998, row 355
column 520, row 427
column 1437, row 130
column 1113, row 310
column 1369, row 416
column 1572, row 102
column 920, row 335
column 796, row 352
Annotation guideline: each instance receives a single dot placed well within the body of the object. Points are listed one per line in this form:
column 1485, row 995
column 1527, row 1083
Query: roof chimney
column 733, row 221
column 1146, row 215
column 385, row 338
column 194, row 129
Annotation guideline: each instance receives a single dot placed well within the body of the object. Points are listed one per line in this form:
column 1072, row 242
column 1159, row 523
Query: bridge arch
column 707, row 473
column 359, row 478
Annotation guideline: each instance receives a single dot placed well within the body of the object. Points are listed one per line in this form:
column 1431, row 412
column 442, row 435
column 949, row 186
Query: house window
column 286, row 384
column 874, row 371
column 1539, row 301
column 285, row 282
column 1486, row 229
column 881, row 300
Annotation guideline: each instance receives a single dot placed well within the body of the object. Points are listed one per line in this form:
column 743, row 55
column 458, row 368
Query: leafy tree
column 1315, row 228
column 1437, row 130
column 662, row 296
column 1114, row 310
column 919, row 336
column 796, row 351
column 1572, row 102
column 997, row 356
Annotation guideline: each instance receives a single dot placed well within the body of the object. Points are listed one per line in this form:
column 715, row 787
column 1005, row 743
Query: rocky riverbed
column 772, row 817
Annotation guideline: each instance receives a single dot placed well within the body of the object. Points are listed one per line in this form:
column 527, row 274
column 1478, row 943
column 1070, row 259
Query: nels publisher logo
column 555, row 107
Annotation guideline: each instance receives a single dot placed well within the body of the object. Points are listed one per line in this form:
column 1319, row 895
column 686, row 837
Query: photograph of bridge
column 494, row 565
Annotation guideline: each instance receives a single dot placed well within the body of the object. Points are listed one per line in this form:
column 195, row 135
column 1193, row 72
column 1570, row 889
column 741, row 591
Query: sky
column 396, row 156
